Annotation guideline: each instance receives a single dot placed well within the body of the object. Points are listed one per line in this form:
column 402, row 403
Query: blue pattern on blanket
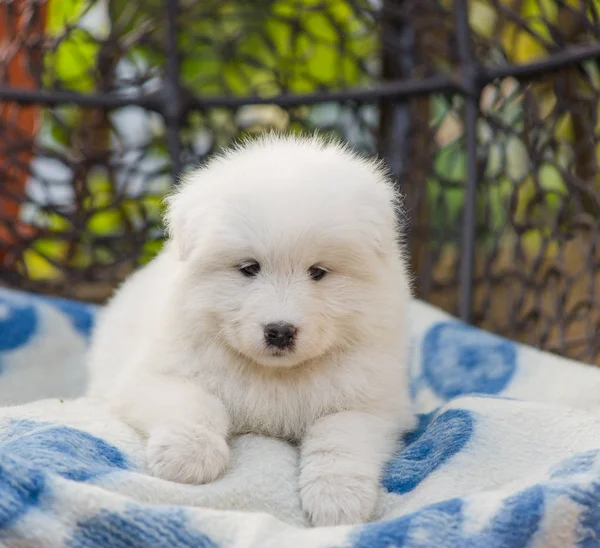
column 443, row 438
column 459, row 359
column 588, row 530
column 139, row 527
column 80, row 315
column 21, row 485
column 21, row 318
column 18, row 323
column 443, row 524
column 577, row 464
column 32, row 451
column 483, row 471
column 67, row 452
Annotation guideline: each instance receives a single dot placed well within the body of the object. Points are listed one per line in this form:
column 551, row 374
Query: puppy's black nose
column 280, row 335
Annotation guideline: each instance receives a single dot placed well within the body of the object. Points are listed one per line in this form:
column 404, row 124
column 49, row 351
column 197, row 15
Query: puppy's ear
column 183, row 218
column 176, row 223
column 382, row 237
column 381, row 220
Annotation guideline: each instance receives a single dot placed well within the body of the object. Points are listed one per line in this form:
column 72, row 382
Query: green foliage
column 71, row 65
column 511, row 186
column 265, row 47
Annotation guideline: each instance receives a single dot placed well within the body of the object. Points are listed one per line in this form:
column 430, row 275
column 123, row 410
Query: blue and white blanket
column 516, row 465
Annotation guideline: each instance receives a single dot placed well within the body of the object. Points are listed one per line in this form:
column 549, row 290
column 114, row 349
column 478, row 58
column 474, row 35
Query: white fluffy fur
column 179, row 351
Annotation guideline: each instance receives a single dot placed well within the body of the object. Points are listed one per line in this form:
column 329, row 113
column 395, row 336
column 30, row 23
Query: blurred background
column 486, row 110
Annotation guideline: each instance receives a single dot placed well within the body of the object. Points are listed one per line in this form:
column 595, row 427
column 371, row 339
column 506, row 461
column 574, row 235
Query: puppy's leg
column 341, row 462
column 187, row 428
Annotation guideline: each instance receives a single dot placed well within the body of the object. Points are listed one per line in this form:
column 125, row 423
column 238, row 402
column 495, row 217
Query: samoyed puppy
column 278, row 306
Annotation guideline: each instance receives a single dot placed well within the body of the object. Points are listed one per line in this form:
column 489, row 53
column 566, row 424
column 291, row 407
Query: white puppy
column 277, row 307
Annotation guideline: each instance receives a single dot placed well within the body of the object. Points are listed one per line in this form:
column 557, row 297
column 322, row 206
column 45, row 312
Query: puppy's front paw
column 337, row 500
column 187, row 454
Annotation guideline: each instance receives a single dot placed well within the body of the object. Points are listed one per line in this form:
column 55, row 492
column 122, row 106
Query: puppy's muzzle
column 280, row 335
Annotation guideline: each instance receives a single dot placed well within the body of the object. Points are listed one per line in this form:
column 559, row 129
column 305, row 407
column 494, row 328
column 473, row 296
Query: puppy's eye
column 317, row 273
column 250, row 269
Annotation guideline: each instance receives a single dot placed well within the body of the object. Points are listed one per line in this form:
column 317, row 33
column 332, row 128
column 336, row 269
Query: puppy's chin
column 274, row 358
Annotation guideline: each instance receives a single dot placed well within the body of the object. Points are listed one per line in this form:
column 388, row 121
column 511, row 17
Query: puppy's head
column 289, row 249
